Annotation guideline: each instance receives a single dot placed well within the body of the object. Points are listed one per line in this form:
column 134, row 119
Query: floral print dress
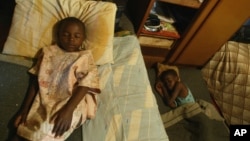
column 59, row 73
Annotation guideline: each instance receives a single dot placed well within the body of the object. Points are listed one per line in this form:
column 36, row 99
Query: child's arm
column 167, row 97
column 177, row 90
column 31, row 93
column 165, row 92
column 62, row 119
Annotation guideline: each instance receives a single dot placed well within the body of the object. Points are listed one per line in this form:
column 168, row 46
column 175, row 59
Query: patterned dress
column 59, row 73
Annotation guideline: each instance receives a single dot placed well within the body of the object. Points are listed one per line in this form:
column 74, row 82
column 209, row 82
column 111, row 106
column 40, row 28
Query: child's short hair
column 168, row 72
column 67, row 20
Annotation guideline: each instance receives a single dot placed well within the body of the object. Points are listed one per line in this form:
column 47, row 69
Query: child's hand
column 172, row 105
column 62, row 121
column 159, row 86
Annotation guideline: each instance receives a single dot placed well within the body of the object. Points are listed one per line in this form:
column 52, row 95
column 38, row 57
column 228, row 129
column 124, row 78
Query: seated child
column 62, row 93
column 173, row 92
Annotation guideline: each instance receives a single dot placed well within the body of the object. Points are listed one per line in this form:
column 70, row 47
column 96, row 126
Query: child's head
column 169, row 78
column 71, row 34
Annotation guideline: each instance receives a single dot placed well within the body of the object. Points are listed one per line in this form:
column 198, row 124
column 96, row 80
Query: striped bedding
column 228, row 79
column 127, row 108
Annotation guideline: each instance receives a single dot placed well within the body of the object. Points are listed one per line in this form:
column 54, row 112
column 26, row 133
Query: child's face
column 170, row 81
column 71, row 37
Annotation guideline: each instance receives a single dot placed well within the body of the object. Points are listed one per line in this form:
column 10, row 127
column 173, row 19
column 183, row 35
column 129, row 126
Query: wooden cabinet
column 156, row 48
column 212, row 24
column 214, row 29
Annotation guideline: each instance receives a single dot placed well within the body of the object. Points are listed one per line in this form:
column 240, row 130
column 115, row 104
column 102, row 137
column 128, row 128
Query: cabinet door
column 219, row 20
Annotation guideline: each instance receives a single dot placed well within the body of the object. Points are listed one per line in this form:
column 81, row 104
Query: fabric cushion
column 163, row 67
column 227, row 76
column 33, row 22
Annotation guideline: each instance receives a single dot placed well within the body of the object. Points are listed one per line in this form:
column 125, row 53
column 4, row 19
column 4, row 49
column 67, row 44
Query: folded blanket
column 197, row 121
column 188, row 110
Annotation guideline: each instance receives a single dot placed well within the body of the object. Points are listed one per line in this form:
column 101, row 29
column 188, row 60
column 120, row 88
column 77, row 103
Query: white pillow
column 33, row 22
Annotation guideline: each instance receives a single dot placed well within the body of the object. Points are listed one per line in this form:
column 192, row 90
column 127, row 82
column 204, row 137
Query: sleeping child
column 173, row 92
column 63, row 88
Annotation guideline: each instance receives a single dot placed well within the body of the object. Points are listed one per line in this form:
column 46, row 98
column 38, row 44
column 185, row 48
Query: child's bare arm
column 171, row 98
column 165, row 93
column 177, row 90
column 62, row 119
column 167, row 97
column 31, row 93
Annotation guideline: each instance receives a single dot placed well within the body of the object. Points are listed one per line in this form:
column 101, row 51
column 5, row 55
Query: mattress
column 127, row 109
column 227, row 75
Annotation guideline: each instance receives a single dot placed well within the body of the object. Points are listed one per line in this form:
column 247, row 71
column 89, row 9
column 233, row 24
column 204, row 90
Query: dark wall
column 6, row 12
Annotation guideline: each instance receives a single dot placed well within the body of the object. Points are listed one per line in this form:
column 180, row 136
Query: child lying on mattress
column 62, row 93
column 173, row 92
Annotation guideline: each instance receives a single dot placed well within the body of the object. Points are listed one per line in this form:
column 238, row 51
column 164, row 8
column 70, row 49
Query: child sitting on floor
column 62, row 93
column 173, row 92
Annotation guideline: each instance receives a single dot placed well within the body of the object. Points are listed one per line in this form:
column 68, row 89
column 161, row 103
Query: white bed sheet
column 127, row 109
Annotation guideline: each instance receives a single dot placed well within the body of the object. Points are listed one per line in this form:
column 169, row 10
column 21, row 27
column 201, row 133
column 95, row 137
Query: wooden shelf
column 160, row 34
column 150, row 61
column 199, row 17
column 188, row 3
column 156, row 46
column 156, row 42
